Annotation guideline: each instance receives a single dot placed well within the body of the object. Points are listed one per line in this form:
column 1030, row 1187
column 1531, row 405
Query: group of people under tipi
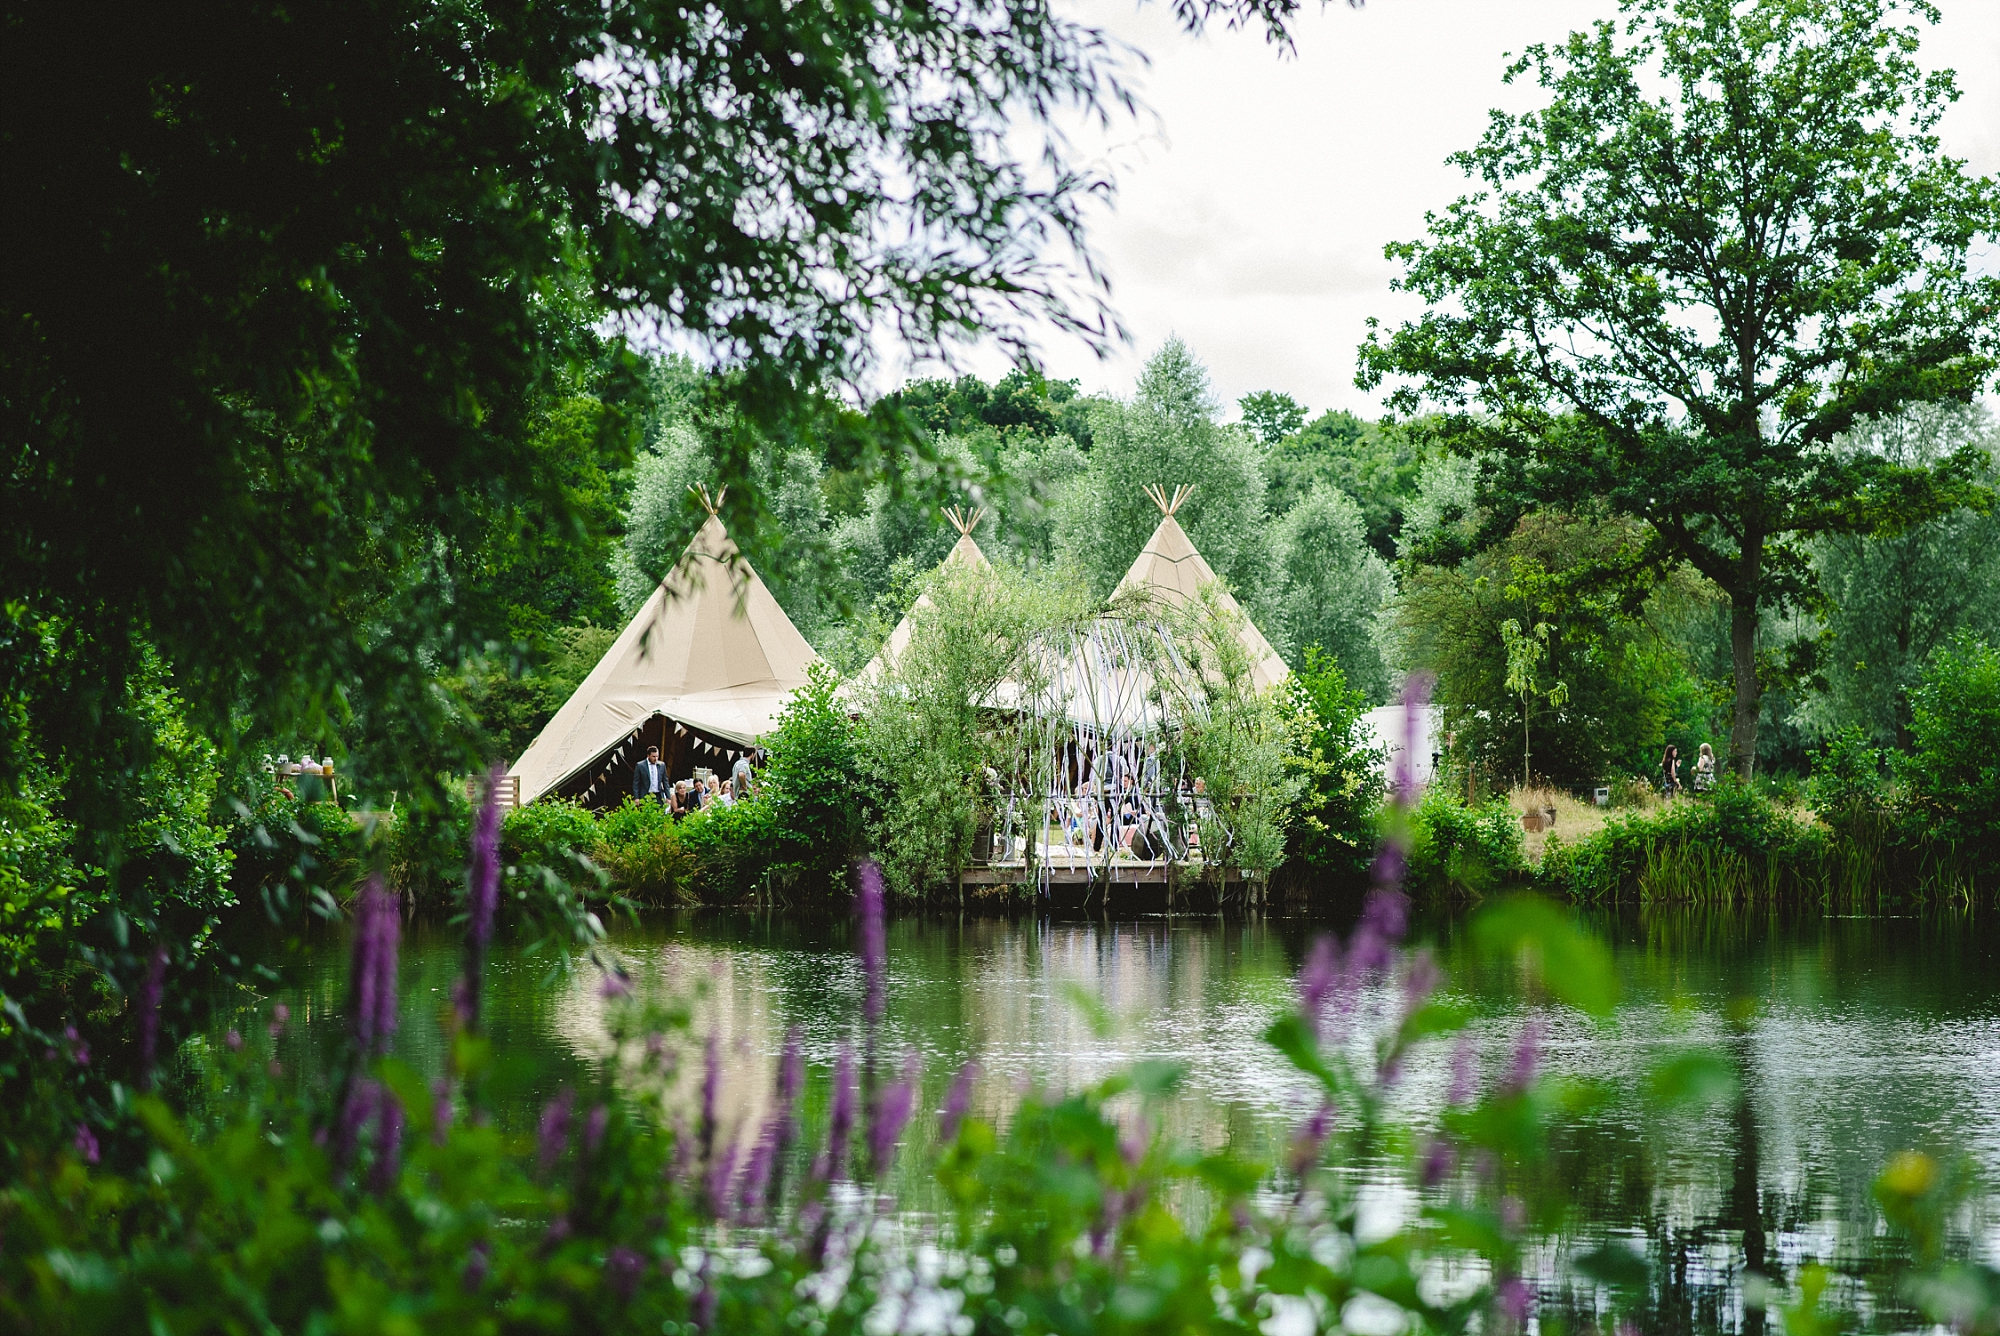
column 713, row 656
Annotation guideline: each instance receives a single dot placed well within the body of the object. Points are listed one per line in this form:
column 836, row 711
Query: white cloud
column 1252, row 214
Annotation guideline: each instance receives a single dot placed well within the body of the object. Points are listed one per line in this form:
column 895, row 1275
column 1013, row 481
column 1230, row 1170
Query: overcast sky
column 1253, row 206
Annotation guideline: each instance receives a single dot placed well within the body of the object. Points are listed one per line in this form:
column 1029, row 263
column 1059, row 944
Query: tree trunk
column 1749, row 698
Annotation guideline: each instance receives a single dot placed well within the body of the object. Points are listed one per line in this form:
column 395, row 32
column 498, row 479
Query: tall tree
column 1167, row 434
column 284, row 286
column 1729, row 234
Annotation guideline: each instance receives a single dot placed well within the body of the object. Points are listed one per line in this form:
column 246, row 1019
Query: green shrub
column 1846, row 778
column 1455, row 849
column 640, row 846
column 820, row 804
column 1334, row 826
column 1738, row 844
column 1952, row 773
column 732, row 846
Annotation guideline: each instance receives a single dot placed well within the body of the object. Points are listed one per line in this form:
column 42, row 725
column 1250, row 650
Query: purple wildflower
column 552, row 1135
column 1514, row 1299
column 757, row 1175
column 79, row 1051
column 704, row 1302
column 441, row 1111
column 711, row 1089
column 234, row 1040
column 682, row 1163
column 478, row 1262
column 721, row 1173
column 279, row 1015
column 891, row 1113
column 151, row 991
column 874, row 955
column 1527, row 1057
column 832, row 1165
column 1461, row 1071
column 594, row 1125
column 1318, row 978
column 356, row 1112
column 792, row 1067
column 377, row 928
column 482, row 876
column 957, row 1101
column 615, row 985
column 86, row 1143
column 623, row 1269
column 1440, row 1158
column 1311, row 1139
column 1132, row 1145
column 482, row 898
column 388, row 1143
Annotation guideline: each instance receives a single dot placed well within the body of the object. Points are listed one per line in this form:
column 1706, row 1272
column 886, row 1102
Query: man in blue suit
column 649, row 777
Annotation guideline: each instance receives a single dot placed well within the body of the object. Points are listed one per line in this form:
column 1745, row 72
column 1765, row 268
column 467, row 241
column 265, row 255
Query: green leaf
column 1291, row 1036
column 1572, row 963
column 1617, row 1266
column 1698, row 1077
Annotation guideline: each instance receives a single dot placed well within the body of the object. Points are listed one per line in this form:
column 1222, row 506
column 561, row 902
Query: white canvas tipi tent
column 1171, row 569
column 966, row 552
column 701, row 670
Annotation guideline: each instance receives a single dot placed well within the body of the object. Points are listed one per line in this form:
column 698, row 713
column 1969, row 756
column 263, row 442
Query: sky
column 1254, row 201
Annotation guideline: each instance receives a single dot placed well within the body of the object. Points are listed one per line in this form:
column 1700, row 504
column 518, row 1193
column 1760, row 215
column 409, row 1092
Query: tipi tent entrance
column 686, row 753
column 701, row 670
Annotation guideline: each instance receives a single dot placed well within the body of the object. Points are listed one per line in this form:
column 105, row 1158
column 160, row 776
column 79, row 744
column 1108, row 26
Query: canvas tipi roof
column 706, row 651
column 1171, row 569
column 966, row 552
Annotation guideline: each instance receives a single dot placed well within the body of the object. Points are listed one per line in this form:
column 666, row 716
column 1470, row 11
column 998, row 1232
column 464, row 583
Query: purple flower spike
column 1318, row 978
column 1527, row 1057
column 594, row 1126
column 1386, row 915
column 1514, row 1299
column 792, row 1067
column 711, row 1089
column 957, row 1101
column 388, row 1143
column 377, row 928
column 1440, row 1159
column 553, row 1133
column 482, row 899
column 86, row 1144
column 441, row 1112
column 892, row 1113
column 622, row 1271
column 1462, row 1058
column 1311, row 1138
column 757, row 1176
column 615, row 985
column 482, row 876
column 233, row 1041
column 721, row 1173
column 359, row 1109
column 874, row 952
column 832, row 1165
column 478, row 1263
column 151, row 991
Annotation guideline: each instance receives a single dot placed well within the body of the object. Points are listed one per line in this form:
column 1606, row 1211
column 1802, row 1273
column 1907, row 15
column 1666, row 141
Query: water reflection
column 1850, row 1039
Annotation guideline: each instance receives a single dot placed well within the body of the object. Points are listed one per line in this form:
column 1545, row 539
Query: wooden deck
column 1121, row 872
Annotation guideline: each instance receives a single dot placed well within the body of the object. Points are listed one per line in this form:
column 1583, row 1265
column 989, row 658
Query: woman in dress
column 1670, row 772
column 1704, row 769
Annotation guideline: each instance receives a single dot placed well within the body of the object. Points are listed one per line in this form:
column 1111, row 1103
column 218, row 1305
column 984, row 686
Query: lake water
column 1852, row 1038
